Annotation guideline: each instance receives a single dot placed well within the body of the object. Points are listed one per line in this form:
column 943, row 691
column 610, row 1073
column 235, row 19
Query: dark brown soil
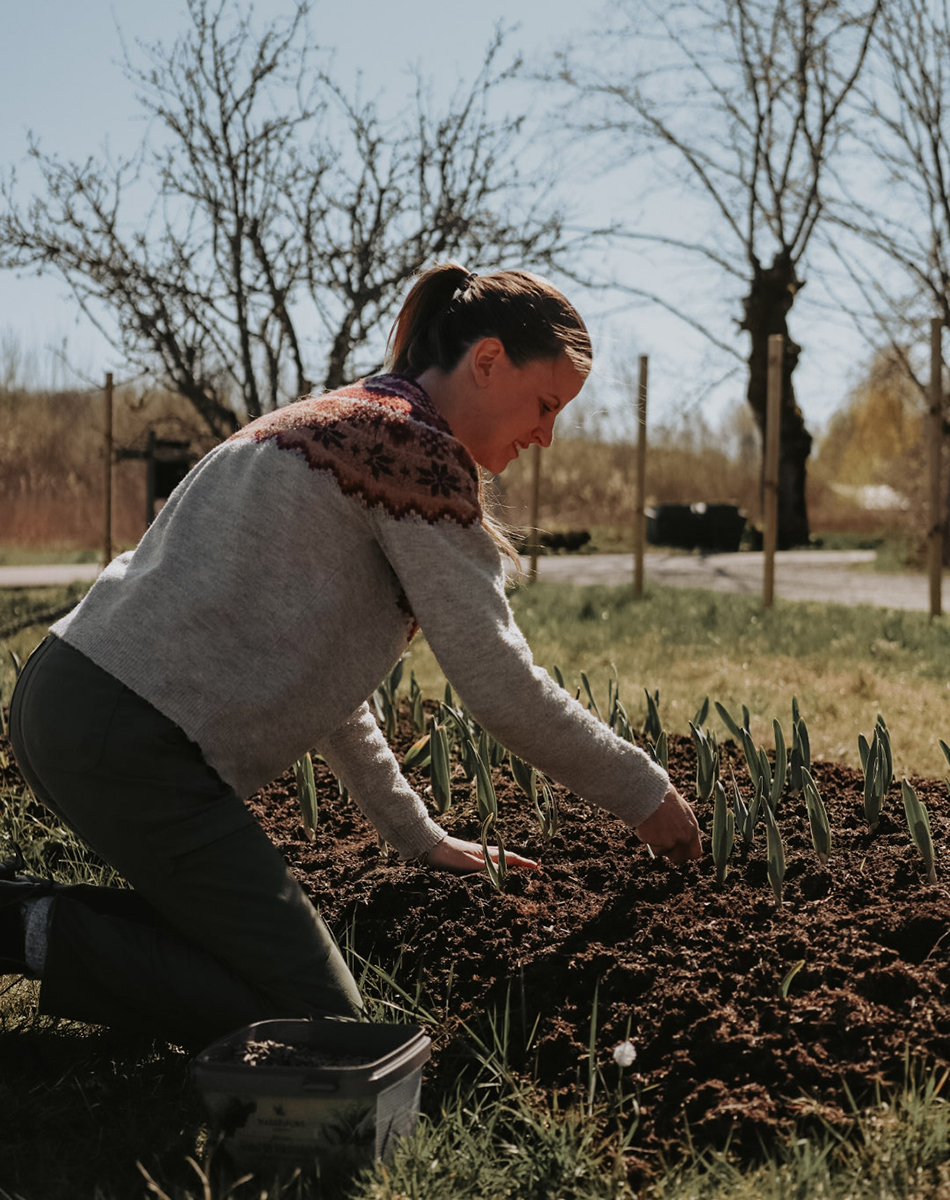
column 288, row 1054
column 690, row 971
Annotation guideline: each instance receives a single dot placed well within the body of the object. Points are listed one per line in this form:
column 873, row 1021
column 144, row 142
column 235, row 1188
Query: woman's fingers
column 672, row 830
column 454, row 854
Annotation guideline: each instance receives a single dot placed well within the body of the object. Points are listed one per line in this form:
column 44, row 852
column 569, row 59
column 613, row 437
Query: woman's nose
column 544, row 434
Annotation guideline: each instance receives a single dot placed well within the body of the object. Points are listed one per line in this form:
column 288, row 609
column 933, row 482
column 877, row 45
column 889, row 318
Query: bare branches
column 268, row 204
column 742, row 101
column 898, row 207
column 745, row 94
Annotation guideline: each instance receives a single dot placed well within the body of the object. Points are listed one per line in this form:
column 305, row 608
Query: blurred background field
column 866, row 475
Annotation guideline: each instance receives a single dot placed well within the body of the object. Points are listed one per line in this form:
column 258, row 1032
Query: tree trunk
column 766, row 307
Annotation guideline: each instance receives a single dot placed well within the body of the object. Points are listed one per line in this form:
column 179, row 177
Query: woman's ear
column 485, row 356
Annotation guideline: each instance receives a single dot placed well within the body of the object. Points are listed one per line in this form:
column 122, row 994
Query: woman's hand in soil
column 463, row 858
column 672, row 829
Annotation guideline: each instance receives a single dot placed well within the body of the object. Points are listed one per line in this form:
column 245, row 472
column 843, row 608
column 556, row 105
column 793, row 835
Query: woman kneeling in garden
column 273, row 592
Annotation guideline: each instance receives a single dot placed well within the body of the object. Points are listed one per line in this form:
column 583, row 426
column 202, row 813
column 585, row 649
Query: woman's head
column 450, row 308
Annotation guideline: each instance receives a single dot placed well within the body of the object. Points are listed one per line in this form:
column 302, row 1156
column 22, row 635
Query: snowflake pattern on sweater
column 385, row 443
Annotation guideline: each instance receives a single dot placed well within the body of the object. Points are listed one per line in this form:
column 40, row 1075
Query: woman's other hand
column 463, row 858
column 672, row 830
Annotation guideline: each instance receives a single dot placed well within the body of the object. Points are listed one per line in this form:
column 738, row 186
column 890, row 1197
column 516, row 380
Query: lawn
column 90, row 1113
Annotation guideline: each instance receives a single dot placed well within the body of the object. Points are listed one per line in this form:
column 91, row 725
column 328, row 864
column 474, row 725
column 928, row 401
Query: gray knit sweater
column 283, row 579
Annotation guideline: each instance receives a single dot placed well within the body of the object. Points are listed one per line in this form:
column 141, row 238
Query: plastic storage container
column 355, row 1090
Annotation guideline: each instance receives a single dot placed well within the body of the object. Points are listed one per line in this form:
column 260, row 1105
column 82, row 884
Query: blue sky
column 63, row 80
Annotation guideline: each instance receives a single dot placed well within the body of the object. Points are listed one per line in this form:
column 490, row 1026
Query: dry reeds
column 52, row 464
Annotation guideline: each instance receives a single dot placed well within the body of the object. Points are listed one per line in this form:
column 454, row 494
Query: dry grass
column 52, row 473
column 845, row 665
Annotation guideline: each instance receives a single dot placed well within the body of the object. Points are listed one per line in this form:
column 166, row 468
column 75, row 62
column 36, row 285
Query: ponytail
column 449, row 308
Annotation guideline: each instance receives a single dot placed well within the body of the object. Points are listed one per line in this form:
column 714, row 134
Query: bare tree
column 263, row 235
column 895, row 188
column 891, row 226
column 742, row 103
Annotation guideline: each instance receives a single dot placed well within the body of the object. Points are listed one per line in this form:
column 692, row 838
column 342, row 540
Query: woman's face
column 514, row 407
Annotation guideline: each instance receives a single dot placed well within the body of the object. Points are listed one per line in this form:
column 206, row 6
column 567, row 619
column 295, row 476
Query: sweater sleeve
column 454, row 581
column 359, row 756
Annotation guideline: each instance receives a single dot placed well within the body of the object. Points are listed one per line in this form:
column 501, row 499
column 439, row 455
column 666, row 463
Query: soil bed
column 691, row 972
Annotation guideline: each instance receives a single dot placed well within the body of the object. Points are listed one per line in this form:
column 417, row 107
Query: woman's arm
column 359, row 756
column 455, row 584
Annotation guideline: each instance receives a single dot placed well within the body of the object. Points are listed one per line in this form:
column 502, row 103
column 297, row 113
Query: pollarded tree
column 895, row 188
column 741, row 103
column 262, row 238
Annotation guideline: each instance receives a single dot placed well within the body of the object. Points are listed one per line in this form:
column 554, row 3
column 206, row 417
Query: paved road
column 827, row 575
column 48, row 575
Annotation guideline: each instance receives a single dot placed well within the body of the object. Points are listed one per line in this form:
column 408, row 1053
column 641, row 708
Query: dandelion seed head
column 625, row 1054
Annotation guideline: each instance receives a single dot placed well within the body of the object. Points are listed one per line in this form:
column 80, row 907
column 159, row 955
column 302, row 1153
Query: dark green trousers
column 215, row 933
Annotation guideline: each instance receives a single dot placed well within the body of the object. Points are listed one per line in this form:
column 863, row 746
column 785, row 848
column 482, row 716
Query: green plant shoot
column 660, row 750
column 707, row 762
column 723, row 832
column 306, row 795
column 484, row 788
column 730, row 722
column 781, row 765
column 800, row 759
column 652, row 726
column 440, row 767
column 776, row 855
column 418, row 754
column 497, row 872
column 874, row 763
column 415, row 702
column 817, row 818
column 919, row 824
column 549, row 816
column 591, row 702
column 946, row 753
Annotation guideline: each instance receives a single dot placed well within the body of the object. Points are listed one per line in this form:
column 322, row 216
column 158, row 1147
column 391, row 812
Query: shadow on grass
column 83, row 1105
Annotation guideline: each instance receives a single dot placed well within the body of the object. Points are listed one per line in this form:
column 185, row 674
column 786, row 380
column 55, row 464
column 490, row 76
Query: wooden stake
column 107, row 539
column 935, row 422
column 534, row 536
column 639, row 511
column 773, row 425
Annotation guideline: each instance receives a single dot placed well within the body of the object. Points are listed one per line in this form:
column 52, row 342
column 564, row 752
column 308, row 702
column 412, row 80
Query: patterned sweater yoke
column 385, row 443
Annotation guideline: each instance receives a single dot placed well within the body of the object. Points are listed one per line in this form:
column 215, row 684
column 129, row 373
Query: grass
column 89, row 1113
column 845, row 664
column 25, row 614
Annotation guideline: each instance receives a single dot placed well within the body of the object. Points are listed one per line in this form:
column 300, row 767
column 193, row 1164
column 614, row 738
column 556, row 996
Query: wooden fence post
column 639, row 512
column 773, row 425
column 533, row 535
column 935, row 438
column 107, row 532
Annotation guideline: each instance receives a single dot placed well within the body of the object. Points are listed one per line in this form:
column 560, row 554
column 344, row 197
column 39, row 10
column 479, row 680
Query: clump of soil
column 271, row 1053
column 746, row 1016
